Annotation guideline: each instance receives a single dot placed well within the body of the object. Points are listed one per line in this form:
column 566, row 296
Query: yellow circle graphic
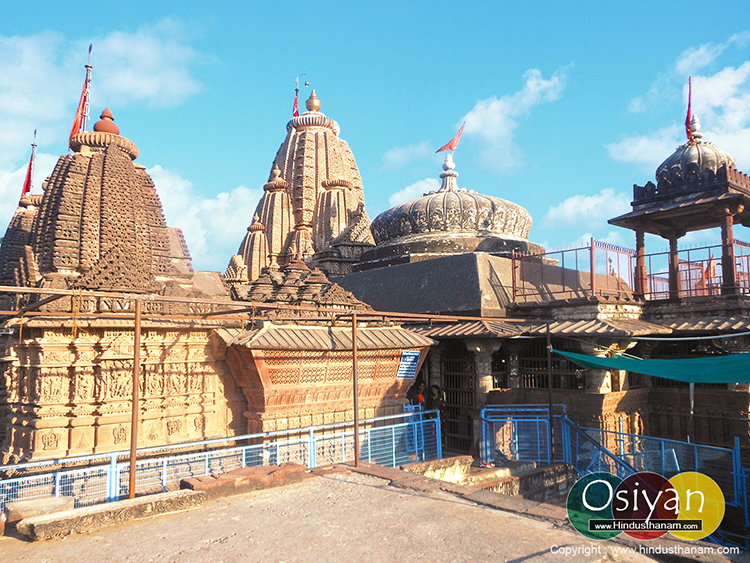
column 700, row 499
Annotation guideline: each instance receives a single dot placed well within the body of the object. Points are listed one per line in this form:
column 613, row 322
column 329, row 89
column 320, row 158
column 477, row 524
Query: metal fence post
column 114, row 479
column 661, row 442
column 393, row 444
column 164, row 475
column 311, row 449
column 695, row 453
column 621, row 439
column 439, row 437
column 57, row 484
column 739, row 475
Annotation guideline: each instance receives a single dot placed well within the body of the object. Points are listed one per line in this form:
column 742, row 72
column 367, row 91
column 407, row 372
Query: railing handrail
column 524, row 408
column 580, row 431
column 643, row 437
column 201, row 443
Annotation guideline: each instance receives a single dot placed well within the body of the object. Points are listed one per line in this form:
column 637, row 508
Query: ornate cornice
column 101, row 140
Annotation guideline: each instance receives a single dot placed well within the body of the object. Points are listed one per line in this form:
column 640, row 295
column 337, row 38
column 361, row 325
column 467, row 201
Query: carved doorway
column 457, row 365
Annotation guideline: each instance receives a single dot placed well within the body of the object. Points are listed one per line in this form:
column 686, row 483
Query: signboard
column 407, row 369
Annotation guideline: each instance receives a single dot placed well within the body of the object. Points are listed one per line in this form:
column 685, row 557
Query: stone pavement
column 341, row 515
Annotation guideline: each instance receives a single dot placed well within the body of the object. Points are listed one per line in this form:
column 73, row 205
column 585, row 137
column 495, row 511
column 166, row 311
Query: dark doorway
column 458, row 379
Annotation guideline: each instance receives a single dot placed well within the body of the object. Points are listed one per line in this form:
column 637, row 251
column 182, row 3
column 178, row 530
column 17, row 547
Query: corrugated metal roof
column 499, row 329
column 297, row 337
column 600, row 327
column 711, row 324
column 487, row 329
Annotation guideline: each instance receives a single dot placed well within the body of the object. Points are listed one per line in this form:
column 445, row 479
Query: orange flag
column 453, row 144
column 30, row 170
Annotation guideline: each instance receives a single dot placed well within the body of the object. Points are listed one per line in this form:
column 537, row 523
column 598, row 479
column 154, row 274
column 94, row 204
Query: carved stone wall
column 288, row 389
column 62, row 395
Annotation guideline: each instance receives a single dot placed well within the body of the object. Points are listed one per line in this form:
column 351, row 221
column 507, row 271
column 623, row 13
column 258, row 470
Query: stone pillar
column 674, row 269
column 597, row 380
column 514, row 347
column 482, row 350
column 641, row 273
column 728, row 264
column 434, row 368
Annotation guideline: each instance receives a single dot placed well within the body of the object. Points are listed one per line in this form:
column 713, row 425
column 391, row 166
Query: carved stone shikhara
column 313, row 205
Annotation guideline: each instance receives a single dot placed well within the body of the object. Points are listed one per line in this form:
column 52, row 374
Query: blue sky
column 567, row 104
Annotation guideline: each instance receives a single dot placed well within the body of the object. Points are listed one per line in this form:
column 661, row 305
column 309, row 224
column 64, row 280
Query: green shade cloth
column 734, row 368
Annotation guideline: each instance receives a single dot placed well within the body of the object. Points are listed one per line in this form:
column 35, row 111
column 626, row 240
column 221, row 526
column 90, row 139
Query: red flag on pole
column 30, row 170
column 688, row 119
column 453, row 144
column 711, row 268
column 295, row 109
column 79, row 122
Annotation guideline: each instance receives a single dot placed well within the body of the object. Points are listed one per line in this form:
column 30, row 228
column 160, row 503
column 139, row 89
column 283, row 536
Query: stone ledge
column 245, row 480
column 22, row 509
column 90, row 518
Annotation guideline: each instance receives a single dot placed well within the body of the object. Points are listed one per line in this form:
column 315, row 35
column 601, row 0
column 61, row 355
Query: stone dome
column 453, row 210
column 695, row 156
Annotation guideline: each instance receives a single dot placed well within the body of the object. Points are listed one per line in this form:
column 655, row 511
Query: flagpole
column 85, row 121
column 31, row 163
column 29, row 181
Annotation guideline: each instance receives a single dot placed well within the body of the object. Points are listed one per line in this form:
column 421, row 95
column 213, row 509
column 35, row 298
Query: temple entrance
column 457, row 365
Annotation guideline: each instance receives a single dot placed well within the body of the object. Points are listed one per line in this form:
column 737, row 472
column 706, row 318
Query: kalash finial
column 312, row 103
column 449, row 176
column 106, row 123
column 695, row 127
column 449, row 164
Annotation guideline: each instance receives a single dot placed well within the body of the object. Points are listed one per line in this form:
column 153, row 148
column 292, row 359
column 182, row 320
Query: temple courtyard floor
column 342, row 514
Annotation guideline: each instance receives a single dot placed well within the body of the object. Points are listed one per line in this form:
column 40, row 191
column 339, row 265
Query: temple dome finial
column 312, row 103
column 694, row 156
column 106, row 123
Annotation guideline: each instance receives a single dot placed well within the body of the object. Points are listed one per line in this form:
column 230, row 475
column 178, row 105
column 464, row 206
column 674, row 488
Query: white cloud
column 415, row 190
column 11, row 184
column 695, row 58
column 494, row 120
column 41, row 77
column 153, row 64
column 648, row 150
column 721, row 99
column 213, row 227
column 586, row 211
column 400, row 156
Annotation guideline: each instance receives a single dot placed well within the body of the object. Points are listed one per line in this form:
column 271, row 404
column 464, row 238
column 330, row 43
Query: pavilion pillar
column 674, row 269
column 482, row 350
column 641, row 274
column 728, row 264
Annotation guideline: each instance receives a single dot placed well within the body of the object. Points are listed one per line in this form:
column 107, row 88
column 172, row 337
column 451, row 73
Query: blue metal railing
column 522, row 432
column 391, row 441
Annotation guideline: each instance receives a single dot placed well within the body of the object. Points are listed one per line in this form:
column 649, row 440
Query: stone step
column 482, row 477
column 539, row 484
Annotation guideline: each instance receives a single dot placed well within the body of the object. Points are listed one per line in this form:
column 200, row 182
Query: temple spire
column 82, row 113
column 28, row 182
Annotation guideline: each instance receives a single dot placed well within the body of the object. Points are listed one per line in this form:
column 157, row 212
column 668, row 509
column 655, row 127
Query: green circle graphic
column 591, row 498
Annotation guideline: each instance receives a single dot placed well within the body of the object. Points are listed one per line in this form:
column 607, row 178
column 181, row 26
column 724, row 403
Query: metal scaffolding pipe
column 136, row 380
